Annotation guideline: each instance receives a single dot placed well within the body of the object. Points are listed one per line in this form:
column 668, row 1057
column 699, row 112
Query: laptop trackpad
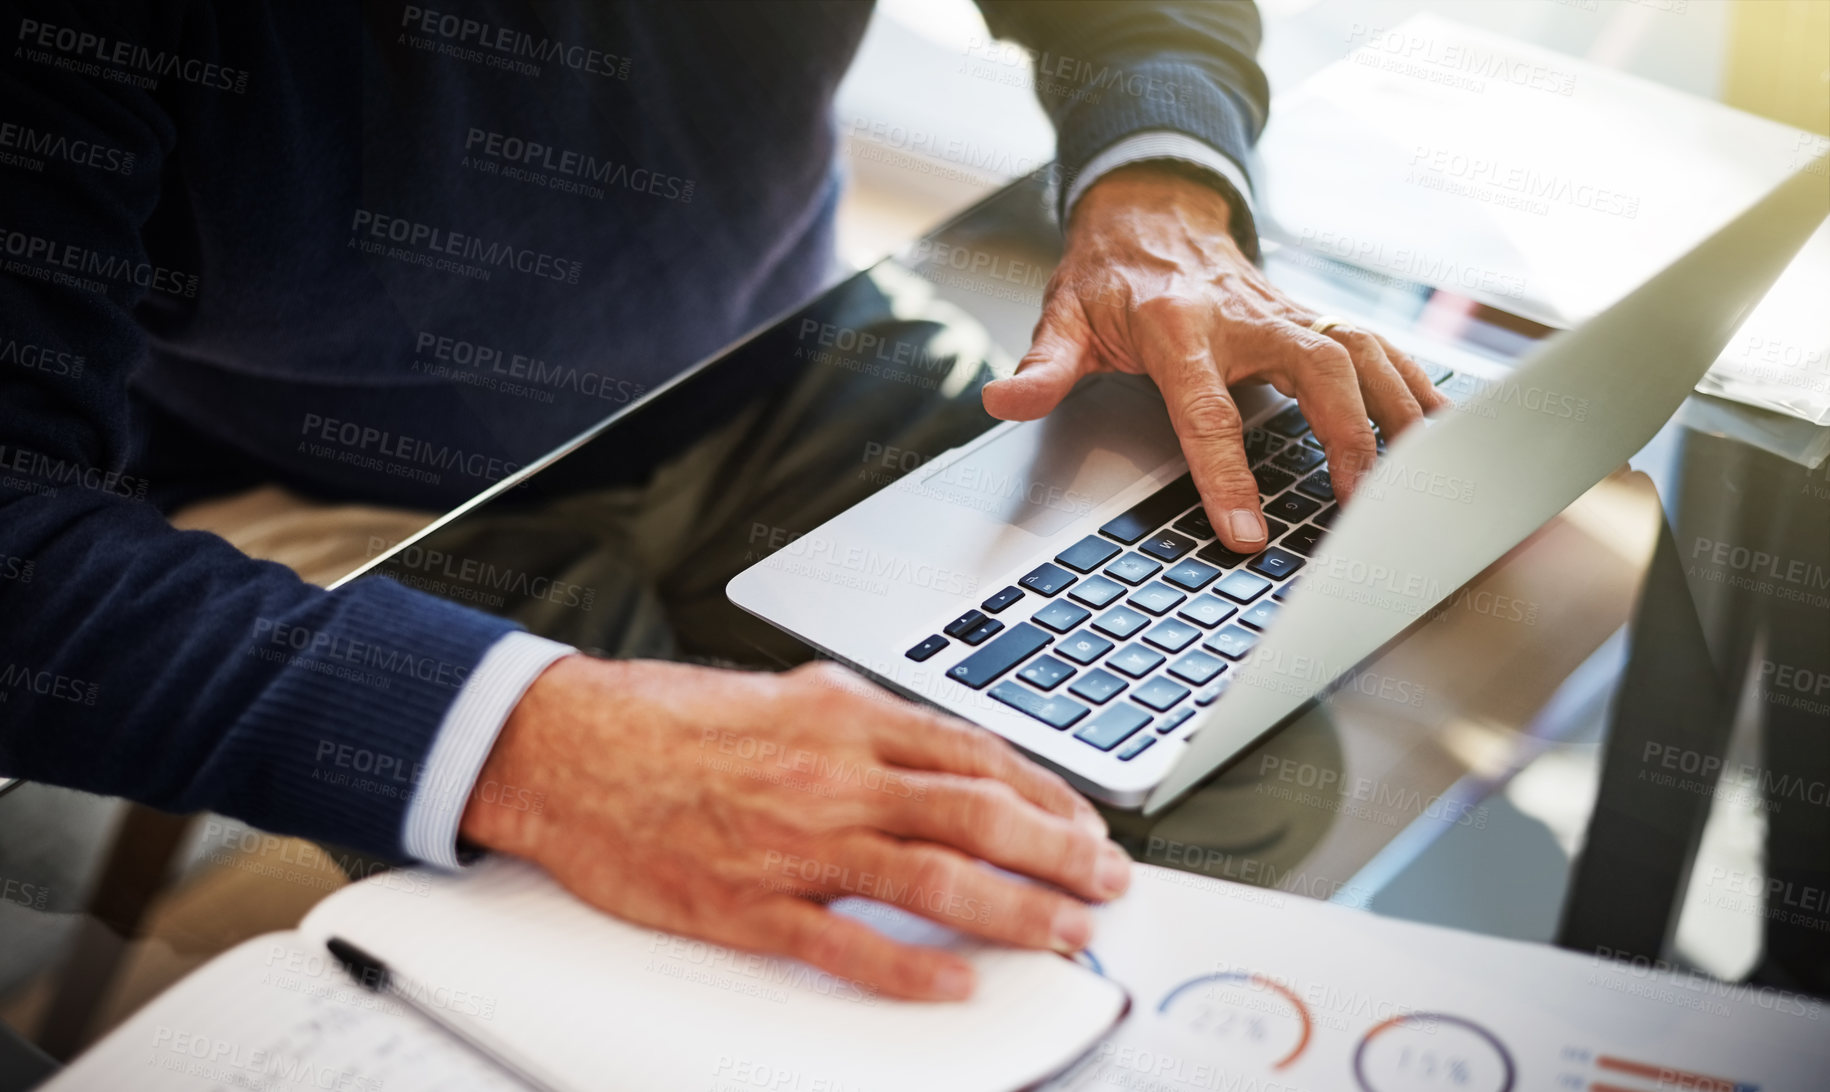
column 1045, row 475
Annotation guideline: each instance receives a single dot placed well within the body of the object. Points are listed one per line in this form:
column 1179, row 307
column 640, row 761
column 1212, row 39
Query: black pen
column 373, row 974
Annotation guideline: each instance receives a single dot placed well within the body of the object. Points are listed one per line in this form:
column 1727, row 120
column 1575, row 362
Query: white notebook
column 585, row 1002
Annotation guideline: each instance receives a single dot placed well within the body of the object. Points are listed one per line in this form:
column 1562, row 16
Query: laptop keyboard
column 1125, row 633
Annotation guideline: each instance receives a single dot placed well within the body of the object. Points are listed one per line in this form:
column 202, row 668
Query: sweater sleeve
column 1109, row 70
column 135, row 659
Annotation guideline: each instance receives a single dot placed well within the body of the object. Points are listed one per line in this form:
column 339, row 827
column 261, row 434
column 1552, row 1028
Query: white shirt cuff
column 464, row 740
column 1160, row 144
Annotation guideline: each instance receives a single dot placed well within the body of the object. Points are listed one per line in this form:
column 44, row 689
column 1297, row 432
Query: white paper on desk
column 1540, row 184
column 1238, row 987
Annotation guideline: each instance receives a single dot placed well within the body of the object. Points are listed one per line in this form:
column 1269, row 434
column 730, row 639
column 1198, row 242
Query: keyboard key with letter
column 1097, row 686
column 1083, row 647
column 1097, row 591
column 1061, row 616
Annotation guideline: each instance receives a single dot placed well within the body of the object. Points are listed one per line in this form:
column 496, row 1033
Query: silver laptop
column 1057, row 582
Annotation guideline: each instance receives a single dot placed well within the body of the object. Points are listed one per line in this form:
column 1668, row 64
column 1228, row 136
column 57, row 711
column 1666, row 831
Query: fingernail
column 1093, row 823
column 1114, row 873
column 953, row 982
column 1072, row 928
column 1247, row 525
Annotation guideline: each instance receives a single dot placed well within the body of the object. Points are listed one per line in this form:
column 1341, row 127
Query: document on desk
column 1239, row 988
column 520, row 968
column 1542, row 184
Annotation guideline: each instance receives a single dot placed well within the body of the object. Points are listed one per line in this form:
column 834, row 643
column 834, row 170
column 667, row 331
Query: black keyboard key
column 1318, row 485
column 1303, row 540
column 1207, row 611
column 1134, row 568
column 1293, row 506
column 1260, row 614
column 1121, row 622
column 1045, row 672
column 1325, row 518
column 985, row 665
column 1290, row 423
column 1283, row 591
column 982, row 632
column 1159, row 694
column 1097, row 591
column 1097, row 686
column 1242, row 587
column 1166, row 545
column 1083, row 647
column 1170, row 723
column 1088, row 554
column 964, row 624
column 1157, row 598
column 1197, row 667
column 1114, row 726
column 1046, row 579
column 927, row 648
column 1311, row 441
column 1276, row 563
column 1136, row 747
column 1135, row 660
column 1298, row 459
column 1197, row 524
column 1231, row 642
column 1217, row 553
column 1057, row 712
column 1171, row 635
column 1260, row 445
column 1061, row 616
column 1272, row 528
column 1002, row 599
column 1271, row 481
column 1191, row 574
column 1153, row 511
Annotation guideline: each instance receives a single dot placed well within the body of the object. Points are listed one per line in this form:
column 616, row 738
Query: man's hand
column 729, row 805
column 1151, row 281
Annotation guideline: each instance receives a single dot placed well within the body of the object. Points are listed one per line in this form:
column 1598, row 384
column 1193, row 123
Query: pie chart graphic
column 1432, row 1051
column 1244, row 1013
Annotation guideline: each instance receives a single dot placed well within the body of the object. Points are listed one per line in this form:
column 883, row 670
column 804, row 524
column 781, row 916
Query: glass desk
column 1545, row 757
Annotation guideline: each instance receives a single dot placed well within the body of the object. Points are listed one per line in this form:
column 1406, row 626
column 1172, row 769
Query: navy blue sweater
column 390, row 253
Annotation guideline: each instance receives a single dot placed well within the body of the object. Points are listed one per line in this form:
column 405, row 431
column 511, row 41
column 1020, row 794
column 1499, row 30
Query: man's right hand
column 730, row 805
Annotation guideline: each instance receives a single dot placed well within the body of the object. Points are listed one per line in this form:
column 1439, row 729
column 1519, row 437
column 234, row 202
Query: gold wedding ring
column 1325, row 323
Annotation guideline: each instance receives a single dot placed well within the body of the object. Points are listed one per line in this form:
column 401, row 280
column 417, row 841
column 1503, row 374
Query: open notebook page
column 596, row 1003
column 277, row 1012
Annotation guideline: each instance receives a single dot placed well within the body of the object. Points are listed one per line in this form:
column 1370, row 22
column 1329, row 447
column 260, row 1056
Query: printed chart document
column 1239, row 988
